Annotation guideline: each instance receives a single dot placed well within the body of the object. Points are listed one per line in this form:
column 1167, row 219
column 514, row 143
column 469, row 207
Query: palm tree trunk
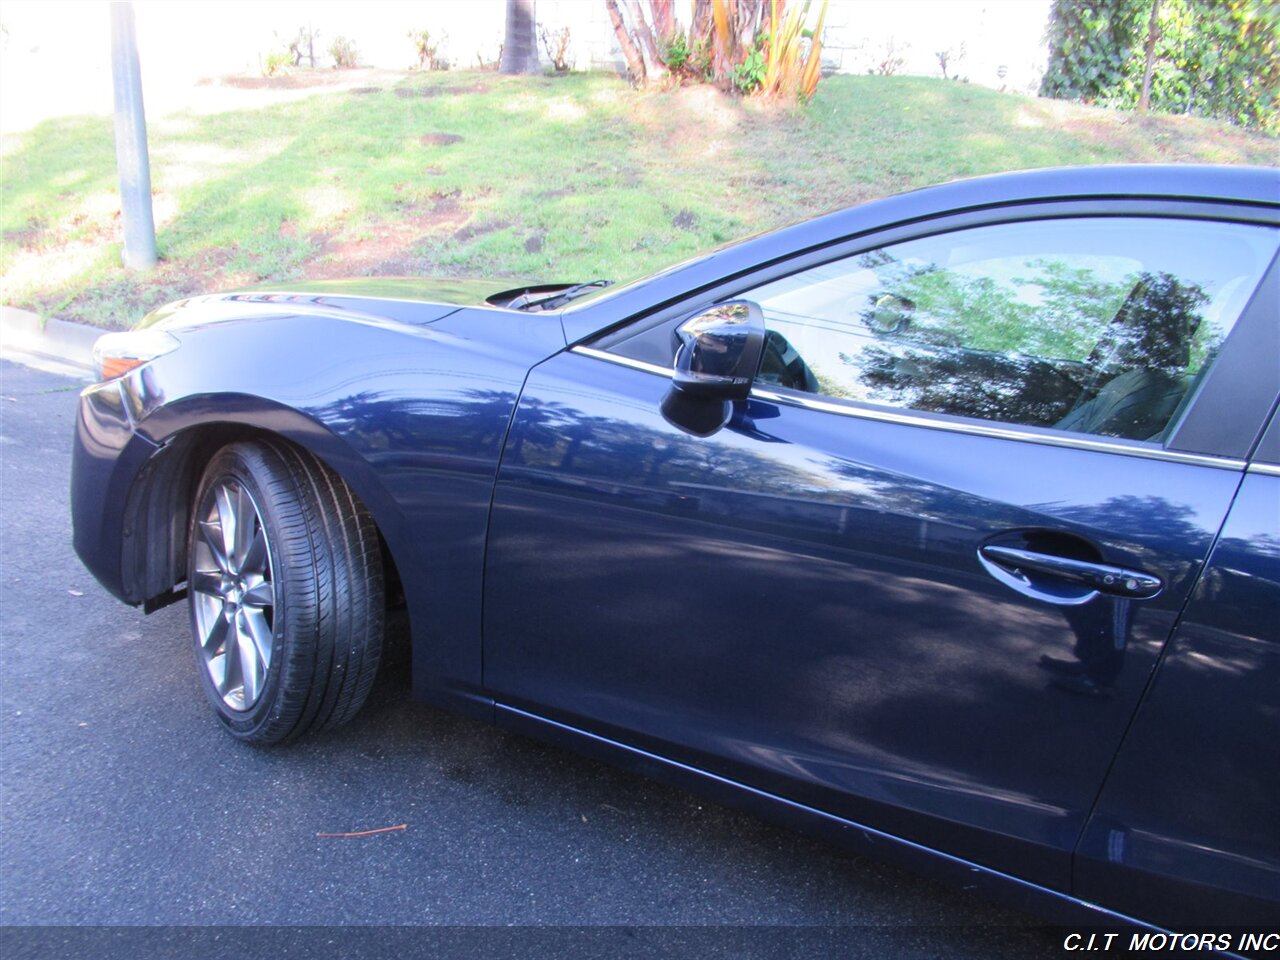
column 519, row 46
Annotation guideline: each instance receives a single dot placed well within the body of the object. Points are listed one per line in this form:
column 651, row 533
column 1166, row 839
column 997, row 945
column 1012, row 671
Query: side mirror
column 716, row 362
column 720, row 350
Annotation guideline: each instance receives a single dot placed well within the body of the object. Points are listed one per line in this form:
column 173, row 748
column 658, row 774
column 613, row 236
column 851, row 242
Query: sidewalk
column 57, row 346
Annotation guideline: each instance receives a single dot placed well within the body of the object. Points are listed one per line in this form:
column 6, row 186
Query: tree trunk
column 664, row 19
column 700, row 28
column 654, row 65
column 750, row 18
column 519, row 46
column 635, row 62
column 724, row 46
column 1153, row 33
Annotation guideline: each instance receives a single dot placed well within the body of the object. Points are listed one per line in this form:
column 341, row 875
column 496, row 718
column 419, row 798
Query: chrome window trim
column 624, row 361
column 973, row 429
column 1265, row 469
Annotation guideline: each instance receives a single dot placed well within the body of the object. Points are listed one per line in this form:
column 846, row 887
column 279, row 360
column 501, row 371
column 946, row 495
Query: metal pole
column 131, row 142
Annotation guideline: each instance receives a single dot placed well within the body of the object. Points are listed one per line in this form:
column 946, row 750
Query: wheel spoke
column 211, row 534
column 214, row 628
column 259, row 596
column 255, row 555
column 218, row 672
column 208, row 583
column 259, row 631
column 246, row 519
column 251, row 666
column 228, row 522
column 231, row 667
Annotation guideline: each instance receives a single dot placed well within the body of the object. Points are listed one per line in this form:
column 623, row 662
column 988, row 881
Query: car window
column 1095, row 325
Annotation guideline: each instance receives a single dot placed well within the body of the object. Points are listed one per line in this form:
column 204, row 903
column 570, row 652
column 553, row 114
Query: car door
column 1185, row 830
column 869, row 592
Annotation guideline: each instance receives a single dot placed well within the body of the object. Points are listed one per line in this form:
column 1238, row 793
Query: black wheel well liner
column 157, row 515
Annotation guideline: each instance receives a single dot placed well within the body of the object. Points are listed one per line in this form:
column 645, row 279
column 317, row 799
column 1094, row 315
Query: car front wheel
column 285, row 587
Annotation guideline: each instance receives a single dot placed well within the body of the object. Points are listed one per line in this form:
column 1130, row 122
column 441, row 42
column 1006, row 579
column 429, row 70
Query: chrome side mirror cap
column 716, row 363
column 720, row 350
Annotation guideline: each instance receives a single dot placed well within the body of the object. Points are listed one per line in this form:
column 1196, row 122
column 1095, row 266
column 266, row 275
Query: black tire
column 296, row 617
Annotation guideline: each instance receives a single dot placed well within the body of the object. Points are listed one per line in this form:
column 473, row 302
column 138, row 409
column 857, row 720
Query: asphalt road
column 123, row 803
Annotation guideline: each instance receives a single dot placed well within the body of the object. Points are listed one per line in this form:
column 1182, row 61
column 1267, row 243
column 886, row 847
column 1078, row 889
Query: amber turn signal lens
column 115, row 354
column 113, row 367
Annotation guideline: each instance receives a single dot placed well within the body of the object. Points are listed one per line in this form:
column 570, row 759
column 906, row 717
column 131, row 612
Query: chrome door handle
column 1116, row 581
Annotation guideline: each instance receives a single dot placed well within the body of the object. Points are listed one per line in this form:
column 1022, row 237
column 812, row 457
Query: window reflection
column 1099, row 326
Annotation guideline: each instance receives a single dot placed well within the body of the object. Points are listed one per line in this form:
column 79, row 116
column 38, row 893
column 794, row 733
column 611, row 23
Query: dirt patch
column 31, row 236
column 1154, row 138
column 361, row 91
column 251, row 92
column 534, row 243
column 442, row 201
column 685, row 220
column 385, row 249
column 121, row 299
column 399, row 267
column 556, row 194
column 439, row 139
column 38, row 238
column 699, row 111
column 358, row 257
column 454, row 91
column 471, row 231
column 291, row 81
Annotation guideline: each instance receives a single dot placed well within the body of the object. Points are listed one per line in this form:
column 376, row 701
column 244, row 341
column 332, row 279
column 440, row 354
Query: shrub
column 689, row 60
column 891, row 58
column 748, row 76
column 556, row 43
column 756, row 47
column 951, row 57
column 304, row 45
column 428, row 49
column 276, row 63
column 344, row 53
column 1215, row 58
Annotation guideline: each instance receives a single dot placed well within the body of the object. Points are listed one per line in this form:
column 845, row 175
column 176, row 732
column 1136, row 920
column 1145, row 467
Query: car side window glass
column 1094, row 325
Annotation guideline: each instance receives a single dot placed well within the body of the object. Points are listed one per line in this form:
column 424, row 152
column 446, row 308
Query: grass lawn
column 573, row 178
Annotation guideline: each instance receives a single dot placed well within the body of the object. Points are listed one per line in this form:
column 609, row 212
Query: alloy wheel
column 233, row 594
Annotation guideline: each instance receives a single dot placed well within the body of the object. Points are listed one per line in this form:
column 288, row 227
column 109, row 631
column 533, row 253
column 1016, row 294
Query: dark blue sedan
column 947, row 526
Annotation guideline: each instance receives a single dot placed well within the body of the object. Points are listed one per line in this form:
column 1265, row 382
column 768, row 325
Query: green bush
column 690, row 61
column 1215, row 58
column 344, row 53
column 276, row 63
column 428, row 49
column 749, row 75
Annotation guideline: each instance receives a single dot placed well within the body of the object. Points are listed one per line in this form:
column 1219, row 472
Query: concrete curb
column 22, row 331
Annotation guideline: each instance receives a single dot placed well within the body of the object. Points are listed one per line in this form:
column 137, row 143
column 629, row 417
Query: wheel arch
column 158, row 504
